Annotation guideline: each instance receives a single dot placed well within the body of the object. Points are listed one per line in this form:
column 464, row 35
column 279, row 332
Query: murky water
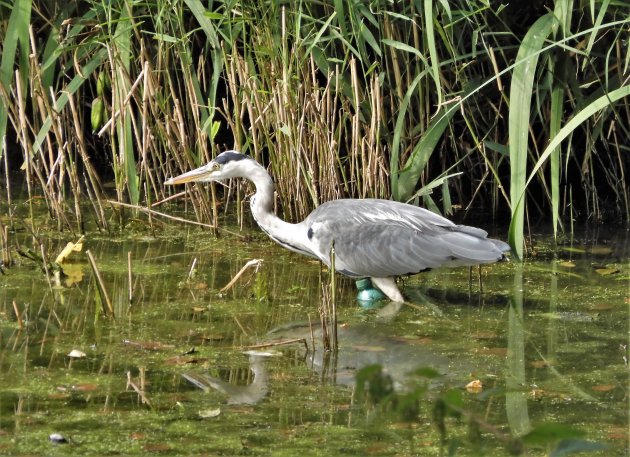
column 176, row 370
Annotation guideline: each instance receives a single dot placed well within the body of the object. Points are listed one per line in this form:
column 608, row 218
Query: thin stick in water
column 333, row 287
column 252, row 263
column 101, row 284
column 129, row 277
column 6, row 176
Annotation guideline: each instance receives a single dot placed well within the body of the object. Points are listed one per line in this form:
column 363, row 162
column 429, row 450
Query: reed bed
column 512, row 110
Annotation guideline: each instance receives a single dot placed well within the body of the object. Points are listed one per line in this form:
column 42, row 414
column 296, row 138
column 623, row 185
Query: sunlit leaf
column 474, row 387
column 69, row 249
column 520, row 110
column 209, row 413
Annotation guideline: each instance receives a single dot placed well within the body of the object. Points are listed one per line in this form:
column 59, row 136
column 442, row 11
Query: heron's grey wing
column 385, row 238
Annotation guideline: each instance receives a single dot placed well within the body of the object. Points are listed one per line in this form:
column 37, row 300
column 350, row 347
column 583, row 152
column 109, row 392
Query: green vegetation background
column 506, row 110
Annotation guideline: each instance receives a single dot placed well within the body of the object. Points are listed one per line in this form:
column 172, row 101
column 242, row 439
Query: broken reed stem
column 279, row 343
column 138, row 390
column 101, row 285
column 252, row 263
column 129, row 278
column 193, row 269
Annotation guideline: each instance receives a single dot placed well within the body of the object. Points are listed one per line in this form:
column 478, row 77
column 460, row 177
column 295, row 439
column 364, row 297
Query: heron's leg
column 388, row 287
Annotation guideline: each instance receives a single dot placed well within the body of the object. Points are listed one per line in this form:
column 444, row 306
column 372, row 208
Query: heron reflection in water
column 373, row 238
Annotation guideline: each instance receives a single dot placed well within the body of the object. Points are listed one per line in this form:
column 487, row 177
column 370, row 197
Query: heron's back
column 380, row 238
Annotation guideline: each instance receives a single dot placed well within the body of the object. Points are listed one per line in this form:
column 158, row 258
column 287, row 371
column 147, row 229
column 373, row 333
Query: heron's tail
column 501, row 245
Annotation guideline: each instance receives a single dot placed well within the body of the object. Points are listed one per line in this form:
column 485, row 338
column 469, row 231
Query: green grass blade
column 16, row 34
column 122, row 40
column 408, row 177
column 398, row 130
column 557, row 103
column 73, row 86
column 596, row 28
column 320, row 32
column 198, row 10
column 406, row 48
column 520, row 108
column 430, row 37
column 577, row 120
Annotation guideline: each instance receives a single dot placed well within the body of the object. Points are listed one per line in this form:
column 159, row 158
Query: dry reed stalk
column 7, row 180
column 4, row 237
column 138, row 389
column 279, row 343
column 313, row 157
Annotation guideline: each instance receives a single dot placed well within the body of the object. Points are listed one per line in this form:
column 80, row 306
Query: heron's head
column 228, row 164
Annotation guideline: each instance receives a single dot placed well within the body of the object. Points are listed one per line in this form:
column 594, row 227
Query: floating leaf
column 601, row 250
column 209, row 413
column 606, row 271
column 567, row 264
column 76, row 354
column 474, row 387
column 57, row 438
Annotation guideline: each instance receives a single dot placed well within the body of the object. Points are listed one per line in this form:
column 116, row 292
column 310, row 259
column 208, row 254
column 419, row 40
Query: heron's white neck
column 291, row 236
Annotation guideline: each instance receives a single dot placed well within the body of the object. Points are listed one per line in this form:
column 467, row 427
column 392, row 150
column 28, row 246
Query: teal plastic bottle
column 368, row 294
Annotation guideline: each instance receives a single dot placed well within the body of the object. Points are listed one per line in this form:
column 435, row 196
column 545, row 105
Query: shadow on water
column 547, row 341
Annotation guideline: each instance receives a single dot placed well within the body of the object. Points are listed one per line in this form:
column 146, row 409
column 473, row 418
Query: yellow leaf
column 567, row 264
column 474, row 387
column 70, row 248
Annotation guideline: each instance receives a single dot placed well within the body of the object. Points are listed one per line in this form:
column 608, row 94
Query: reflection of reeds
column 339, row 100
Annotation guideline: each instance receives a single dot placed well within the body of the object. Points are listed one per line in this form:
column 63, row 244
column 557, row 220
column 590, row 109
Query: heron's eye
column 215, row 166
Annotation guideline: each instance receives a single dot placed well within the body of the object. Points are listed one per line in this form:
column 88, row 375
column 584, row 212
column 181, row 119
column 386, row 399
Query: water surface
column 177, row 370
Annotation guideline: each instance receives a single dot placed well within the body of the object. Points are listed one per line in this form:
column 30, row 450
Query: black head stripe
column 230, row 156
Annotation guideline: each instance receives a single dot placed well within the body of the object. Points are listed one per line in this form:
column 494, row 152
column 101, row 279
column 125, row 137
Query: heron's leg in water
column 388, row 287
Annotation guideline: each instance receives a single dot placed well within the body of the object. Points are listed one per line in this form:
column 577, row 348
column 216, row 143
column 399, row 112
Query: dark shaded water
column 174, row 371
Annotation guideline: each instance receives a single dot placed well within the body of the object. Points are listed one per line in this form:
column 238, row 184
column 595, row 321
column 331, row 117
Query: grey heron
column 373, row 238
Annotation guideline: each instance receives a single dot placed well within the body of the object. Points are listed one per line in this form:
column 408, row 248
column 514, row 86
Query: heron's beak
column 198, row 174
